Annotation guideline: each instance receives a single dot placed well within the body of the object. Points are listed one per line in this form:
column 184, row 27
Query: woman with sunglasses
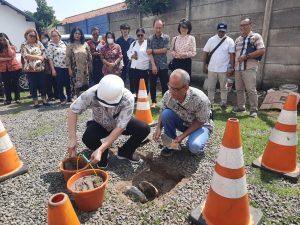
column 139, row 60
column 33, row 54
column 79, row 61
column 9, row 68
column 183, row 47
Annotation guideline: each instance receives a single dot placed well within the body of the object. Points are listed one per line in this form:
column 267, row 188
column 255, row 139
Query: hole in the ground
column 162, row 176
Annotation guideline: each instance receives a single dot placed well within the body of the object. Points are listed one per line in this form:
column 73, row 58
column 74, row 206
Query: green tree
column 45, row 14
column 154, row 7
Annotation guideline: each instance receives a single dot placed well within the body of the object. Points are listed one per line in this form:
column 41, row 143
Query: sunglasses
column 140, row 35
column 175, row 89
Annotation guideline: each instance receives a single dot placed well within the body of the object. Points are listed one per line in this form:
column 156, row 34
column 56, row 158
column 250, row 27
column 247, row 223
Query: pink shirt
column 185, row 45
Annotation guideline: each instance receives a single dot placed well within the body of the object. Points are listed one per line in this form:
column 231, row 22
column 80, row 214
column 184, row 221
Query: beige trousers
column 212, row 79
column 246, row 80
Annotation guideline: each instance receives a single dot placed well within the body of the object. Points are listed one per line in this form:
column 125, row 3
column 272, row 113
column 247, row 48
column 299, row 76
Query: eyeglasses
column 175, row 89
column 32, row 36
column 140, row 35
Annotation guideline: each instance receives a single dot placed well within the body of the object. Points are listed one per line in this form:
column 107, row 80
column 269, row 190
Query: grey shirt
column 108, row 117
column 154, row 42
column 196, row 106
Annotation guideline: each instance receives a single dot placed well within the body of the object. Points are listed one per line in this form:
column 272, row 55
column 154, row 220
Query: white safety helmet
column 110, row 90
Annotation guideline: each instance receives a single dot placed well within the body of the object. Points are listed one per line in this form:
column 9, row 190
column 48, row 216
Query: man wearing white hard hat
column 112, row 108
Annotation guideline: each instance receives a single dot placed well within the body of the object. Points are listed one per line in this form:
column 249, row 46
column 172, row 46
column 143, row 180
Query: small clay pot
column 92, row 199
column 68, row 173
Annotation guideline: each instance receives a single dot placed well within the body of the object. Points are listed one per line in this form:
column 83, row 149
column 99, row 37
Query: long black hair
column 112, row 35
column 72, row 39
column 2, row 47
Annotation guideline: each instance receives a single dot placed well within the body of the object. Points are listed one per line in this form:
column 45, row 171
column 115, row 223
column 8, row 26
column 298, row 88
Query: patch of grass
column 41, row 130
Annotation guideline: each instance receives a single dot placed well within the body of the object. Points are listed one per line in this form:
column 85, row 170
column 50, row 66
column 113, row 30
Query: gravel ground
column 40, row 138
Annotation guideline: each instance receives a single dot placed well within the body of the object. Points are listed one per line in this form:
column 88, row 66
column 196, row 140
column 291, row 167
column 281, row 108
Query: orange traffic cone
column 280, row 155
column 227, row 201
column 60, row 211
column 10, row 164
column 143, row 111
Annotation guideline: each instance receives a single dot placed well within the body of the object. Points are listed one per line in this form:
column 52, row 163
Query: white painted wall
column 14, row 25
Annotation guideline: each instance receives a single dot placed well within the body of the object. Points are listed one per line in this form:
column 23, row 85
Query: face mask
column 44, row 40
column 110, row 40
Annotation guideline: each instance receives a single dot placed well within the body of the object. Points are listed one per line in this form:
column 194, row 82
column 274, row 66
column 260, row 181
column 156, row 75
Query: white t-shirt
column 220, row 59
column 142, row 63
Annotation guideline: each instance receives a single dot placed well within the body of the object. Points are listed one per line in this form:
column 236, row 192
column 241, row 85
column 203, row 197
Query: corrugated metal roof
column 94, row 13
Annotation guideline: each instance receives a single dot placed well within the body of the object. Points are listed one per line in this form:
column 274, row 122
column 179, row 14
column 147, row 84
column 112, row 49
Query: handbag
column 212, row 52
column 171, row 63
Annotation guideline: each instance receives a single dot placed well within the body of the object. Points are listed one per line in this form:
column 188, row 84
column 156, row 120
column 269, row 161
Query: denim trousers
column 196, row 141
column 37, row 83
column 63, row 80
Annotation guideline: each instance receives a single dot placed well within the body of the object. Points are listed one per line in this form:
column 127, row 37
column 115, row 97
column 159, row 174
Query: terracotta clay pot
column 68, row 173
column 92, row 199
column 60, row 211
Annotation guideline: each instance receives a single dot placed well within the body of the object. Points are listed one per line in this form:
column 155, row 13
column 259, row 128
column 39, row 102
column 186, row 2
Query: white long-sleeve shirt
column 142, row 63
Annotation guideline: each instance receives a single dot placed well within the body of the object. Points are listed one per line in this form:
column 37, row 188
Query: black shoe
column 36, row 106
column 223, row 107
column 103, row 163
column 239, row 110
column 134, row 159
column 46, row 104
column 167, row 152
column 69, row 99
column 7, row 103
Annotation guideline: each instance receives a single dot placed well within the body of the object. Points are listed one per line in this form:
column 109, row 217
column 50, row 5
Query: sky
column 65, row 8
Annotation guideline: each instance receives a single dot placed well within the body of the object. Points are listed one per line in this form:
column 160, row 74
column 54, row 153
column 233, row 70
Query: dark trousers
column 63, row 80
column 164, row 79
column 11, row 84
column 136, row 75
column 97, row 74
column 95, row 132
column 125, row 71
column 51, row 86
column 37, row 83
column 185, row 64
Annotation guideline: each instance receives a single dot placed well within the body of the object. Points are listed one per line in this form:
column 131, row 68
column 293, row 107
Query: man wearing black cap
column 218, row 58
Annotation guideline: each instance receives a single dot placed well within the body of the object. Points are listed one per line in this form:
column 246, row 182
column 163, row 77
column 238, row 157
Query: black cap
column 222, row 27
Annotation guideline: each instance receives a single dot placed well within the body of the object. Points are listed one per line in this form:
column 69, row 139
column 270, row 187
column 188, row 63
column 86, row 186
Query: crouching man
column 112, row 108
column 186, row 109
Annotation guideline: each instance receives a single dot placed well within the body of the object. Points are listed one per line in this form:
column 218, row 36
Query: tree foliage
column 154, row 7
column 45, row 14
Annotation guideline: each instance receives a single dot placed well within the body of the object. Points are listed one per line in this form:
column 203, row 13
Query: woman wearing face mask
column 50, row 80
column 9, row 68
column 79, row 61
column 183, row 47
column 111, row 55
column 139, row 60
column 33, row 53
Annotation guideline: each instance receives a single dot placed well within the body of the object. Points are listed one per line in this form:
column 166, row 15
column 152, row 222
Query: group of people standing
column 52, row 65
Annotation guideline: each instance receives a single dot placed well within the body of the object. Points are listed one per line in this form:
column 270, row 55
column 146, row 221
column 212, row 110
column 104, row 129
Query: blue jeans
column 196, row 141
column 37, row 83
column 63, row 80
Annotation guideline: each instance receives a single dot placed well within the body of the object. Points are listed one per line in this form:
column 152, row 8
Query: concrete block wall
column 282, row 62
